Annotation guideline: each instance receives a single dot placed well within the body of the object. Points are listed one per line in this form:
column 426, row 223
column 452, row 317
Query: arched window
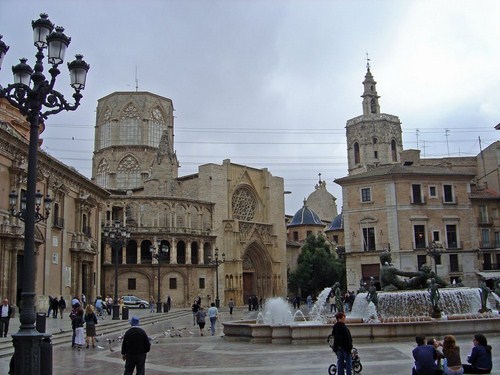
column 146, row 256
column 194, row 253
column 155, row 129
column 128, row 175
column 102, row 173
column 373, row 106
column 181, row 252
column 131, row 254
column 357, row 159
column 105, row 129
column 394, row 151
column 129, row 127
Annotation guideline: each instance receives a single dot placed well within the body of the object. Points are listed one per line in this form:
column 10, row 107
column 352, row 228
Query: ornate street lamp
column 157, row 252
column 117, row 236
column 21, row 214
column 435, row 250
column 35, row 98
column 216, row 262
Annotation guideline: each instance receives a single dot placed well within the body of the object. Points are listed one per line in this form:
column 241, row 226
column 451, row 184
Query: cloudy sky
column 271, row 84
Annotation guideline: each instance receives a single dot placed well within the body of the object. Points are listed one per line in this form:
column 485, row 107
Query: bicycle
column 357, row 367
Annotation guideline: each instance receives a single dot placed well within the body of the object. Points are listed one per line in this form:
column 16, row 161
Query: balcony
column 418, row 200
column 58, row 222
column 491, row 267
column 87, row 231
column 454, row 245
column 488, row 245
column 452, row 201
column 455, row 268
column 484, row 221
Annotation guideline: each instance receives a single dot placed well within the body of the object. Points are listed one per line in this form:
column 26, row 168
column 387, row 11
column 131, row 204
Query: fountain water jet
column 404, row 315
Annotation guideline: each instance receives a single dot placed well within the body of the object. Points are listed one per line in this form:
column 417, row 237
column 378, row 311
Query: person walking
column 169, row 303
column 152, row 304
column 62, row 306
column 331, row 302
column 55, row 307
column 231, row 306
column 480, row 358
column 212, row 314
column 90, row 322
column 342, row 345
column 77, row 325
column 109, row 304
column 50, row 306
column 99, row 307
column 194, row 310
column 309, row 302
column 135, row 346
column 201, row 315
column 6, row 313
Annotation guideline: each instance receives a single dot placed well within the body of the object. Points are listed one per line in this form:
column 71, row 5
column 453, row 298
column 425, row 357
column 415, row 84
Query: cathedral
column 233, row 210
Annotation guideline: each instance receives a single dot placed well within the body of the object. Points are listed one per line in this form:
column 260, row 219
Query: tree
column 317, row 268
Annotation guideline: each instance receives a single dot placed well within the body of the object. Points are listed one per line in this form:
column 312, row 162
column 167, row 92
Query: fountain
column 277, row 324
column 379, row 316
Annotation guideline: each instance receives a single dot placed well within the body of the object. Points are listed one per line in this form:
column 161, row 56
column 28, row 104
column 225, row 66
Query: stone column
column 138, row 253
column 188, row 252
column 173, row 258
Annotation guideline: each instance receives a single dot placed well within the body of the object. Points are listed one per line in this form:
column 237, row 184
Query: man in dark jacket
column 342, row 345
column 135, row 345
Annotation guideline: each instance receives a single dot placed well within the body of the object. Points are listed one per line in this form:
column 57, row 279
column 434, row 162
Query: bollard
column 41, row 321
column 124, row 313
column 46, row 356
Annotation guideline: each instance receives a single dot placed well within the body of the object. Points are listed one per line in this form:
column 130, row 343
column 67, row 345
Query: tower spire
column 370, row 97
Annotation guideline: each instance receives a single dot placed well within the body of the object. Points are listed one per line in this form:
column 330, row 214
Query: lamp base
column 27, row 351
column 116, row 312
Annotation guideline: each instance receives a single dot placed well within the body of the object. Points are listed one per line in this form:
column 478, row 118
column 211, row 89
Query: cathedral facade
column 233, row 209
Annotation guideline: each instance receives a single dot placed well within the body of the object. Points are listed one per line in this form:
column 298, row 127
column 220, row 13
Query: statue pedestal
column 436, row 313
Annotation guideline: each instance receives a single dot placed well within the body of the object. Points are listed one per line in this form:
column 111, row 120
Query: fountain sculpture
column 380, row 315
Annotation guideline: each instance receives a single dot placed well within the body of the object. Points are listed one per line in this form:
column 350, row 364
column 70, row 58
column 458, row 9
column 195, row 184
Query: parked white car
column 133, row 301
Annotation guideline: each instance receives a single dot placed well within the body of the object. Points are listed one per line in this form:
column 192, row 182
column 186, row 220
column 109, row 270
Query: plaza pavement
column 191, row 353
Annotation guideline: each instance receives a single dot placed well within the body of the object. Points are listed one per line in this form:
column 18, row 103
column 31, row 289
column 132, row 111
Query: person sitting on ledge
column 425, row 358
column 480, row 357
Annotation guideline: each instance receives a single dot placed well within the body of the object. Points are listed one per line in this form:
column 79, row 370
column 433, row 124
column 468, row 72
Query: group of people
column 254, row 303
column 83, row 317
column 200, row 315
column 340, row 302
column 433, row 357
column 56, row 306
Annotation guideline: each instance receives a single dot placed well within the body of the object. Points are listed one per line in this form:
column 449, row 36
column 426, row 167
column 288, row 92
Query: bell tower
column 374, row 138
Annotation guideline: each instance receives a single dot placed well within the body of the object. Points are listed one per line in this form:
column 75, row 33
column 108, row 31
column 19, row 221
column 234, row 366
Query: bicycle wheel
column 357, row 367
column 332, row 370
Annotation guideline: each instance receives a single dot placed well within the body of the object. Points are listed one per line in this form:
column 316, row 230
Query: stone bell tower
column 373, row 138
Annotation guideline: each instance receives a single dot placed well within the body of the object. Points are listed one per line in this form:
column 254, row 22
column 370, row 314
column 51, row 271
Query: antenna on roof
column 136, row 80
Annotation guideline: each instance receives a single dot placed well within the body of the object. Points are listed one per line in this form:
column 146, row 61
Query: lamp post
column 21, row 214
column 35, row 98
column 216, row 262
column 434, row 250
column 157, row 252
column 116, row 235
